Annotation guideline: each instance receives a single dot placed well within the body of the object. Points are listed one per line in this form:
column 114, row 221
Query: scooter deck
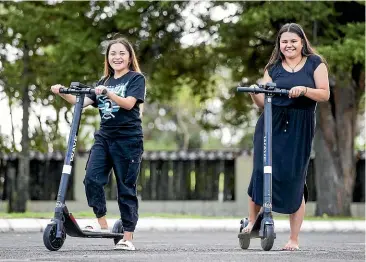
column 73, row 230
column 254, row 233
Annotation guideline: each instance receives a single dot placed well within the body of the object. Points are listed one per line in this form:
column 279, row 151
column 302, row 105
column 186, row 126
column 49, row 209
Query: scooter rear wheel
column 117, row 228
column 50, row 240
column 244, row 238
column 269, row 237
column 244, row 242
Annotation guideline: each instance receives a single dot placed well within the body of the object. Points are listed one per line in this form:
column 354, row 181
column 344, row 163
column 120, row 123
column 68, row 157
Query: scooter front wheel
column 117, row 228
column 269, row 237
column 50, row 240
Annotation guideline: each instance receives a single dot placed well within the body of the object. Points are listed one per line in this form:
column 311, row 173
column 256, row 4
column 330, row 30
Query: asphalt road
column 188, row 246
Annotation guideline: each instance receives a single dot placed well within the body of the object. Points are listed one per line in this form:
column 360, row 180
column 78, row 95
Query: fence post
column 243, row 172
column 79, row 173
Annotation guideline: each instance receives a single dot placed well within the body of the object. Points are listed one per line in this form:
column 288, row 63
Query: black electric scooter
column 263, row 227
column 64, row 222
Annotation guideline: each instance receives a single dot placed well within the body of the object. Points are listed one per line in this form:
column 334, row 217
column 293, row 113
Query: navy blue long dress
column 293, row 127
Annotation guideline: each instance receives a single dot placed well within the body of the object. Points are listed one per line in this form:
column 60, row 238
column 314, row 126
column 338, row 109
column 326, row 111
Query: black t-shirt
column 117, row 122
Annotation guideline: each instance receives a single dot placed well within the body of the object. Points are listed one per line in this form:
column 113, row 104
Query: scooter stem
column 267, row 156
column 68, row 162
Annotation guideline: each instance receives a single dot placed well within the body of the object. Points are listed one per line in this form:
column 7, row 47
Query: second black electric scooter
column 263, row 227
column 64, row 222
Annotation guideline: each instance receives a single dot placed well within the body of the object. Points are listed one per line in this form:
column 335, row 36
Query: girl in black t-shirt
column 119, row 141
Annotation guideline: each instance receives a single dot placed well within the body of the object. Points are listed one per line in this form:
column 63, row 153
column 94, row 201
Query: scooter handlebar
column 77, row 88
column 262, row 90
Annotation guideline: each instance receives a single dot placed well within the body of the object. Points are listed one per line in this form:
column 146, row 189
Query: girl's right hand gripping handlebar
column 77, row 88
column 269, row 88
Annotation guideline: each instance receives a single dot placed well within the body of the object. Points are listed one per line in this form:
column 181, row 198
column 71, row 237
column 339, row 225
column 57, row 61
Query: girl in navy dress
column 294, row 65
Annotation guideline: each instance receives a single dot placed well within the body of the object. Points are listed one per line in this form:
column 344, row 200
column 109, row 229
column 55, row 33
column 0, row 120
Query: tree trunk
column 12, row 125
column 22, row 194
column 335, row 160
column 182, row 131
column 11, row 185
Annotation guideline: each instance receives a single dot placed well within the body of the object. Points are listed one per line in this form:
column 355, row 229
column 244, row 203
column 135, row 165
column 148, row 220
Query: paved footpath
column 184, row 224
column 186, row 246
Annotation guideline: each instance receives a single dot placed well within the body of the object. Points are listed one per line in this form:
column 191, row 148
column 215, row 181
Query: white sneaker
column 125, row 245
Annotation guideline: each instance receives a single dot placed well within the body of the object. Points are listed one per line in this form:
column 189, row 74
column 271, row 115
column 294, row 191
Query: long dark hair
column 132, row 65
column 307, row 49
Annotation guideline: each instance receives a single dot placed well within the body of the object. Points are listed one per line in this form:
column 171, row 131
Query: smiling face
column 290, row 45
column 119, row 58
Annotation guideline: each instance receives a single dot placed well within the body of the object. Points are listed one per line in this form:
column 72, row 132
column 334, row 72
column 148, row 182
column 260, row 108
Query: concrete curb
column 167, row 224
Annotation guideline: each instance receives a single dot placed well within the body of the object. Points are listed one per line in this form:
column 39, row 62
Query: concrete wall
column 238, row 208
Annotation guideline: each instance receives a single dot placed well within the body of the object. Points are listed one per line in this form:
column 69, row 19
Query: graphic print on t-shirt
column 106, row 105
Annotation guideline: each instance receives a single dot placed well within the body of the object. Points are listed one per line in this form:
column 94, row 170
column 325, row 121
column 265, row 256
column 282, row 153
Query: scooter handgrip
column 285, row 92
column 63, row 90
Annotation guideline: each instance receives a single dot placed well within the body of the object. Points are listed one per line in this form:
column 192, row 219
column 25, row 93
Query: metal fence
column 176, row 175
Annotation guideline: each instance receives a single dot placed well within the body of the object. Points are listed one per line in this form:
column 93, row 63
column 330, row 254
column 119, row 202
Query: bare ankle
column 252, row 218
column 102, row 221
column 294, row 239
column 128, row 235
